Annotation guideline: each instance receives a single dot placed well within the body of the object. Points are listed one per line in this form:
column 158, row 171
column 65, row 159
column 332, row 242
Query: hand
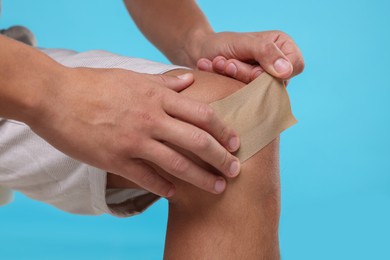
column 125, row 123
column 244, row 56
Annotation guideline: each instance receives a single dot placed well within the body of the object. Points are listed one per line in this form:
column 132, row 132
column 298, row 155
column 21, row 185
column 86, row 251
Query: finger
column 202, row 116
column 242, row 71
column 219, row 64
column 176, row 83
column 272, row 59
column 257, row 71
column 183, row 168
column 201, row 144
column 204, row 65
column 298, row 63
column 236, row 69
column 293, row 53
column 147, row 178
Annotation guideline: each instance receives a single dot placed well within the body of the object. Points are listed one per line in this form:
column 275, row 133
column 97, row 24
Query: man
column 129, row 124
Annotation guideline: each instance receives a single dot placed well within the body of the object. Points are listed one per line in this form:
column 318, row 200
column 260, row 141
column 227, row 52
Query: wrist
column 26, row 75
column 191, row 49
column 47, row 90
column 195, row 44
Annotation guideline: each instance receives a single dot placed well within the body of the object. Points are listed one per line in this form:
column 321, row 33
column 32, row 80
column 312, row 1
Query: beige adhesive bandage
column 259, row 112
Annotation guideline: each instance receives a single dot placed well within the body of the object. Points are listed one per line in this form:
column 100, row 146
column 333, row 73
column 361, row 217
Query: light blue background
column 335, row 162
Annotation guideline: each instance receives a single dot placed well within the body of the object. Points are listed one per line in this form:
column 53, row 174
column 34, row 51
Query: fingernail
column 171, row 192
column 234, row 169
column 219, row 185
column 282, row 66
column 234, row 144
column 184, row 76
column 204, row 65
column 231, row 69
column 220, row 65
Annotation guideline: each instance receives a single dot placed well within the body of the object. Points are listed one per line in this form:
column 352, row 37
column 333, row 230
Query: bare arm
column 181, row 31
column 113, row 118
column 26, row 76
column 175, row 27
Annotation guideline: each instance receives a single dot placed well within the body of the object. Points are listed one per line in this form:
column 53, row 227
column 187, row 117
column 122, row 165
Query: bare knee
column 209, row 87
column 259, row 178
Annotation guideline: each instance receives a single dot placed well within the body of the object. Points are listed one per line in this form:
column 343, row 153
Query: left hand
column 244, row 56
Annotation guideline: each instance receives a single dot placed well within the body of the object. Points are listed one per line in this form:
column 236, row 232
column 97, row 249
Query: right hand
column 244, row 56
column 125, row 122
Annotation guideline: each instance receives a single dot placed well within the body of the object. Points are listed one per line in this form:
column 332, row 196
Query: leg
column 242, row 223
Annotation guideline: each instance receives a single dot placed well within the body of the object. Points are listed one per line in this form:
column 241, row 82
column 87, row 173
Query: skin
column 119, row 116
column 138, row 127
column 249, row 54
column 56, row 101
column 193, row 43
column 241, row 223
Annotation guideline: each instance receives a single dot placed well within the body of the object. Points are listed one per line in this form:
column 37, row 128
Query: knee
column 209, row 87
column 258, row 182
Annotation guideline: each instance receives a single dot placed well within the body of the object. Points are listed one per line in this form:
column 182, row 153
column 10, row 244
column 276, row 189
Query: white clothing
column 32, row 166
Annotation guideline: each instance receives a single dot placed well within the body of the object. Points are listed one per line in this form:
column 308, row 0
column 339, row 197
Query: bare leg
column 242, row 223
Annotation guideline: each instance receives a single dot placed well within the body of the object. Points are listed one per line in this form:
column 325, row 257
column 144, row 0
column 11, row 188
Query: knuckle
column 146, row 118
column 151, row 92
column 279, row 33
column 275, row 32
column 207, row 182
column 162, row 79
column 225, row 134
column 224, row 160
column 178, row 164
column 206, row 113
column 201, row 139
column 300, row 65
column 149, row 177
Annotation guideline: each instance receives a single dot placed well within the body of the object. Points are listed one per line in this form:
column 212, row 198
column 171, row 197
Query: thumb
column 282, row 67
column 176, row 83
column 273, row 60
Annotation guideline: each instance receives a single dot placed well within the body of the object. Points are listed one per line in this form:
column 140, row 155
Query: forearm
column 26, row 75
column 175, row 27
